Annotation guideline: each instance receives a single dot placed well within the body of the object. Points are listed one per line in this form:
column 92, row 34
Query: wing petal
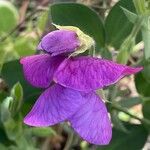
column 91, row 121
column 55, row 105
column 39, row 69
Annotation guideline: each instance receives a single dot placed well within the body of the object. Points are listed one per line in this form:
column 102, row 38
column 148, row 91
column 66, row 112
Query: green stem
column 122, row 109
column 137, row 27
column 140, row 6
column 113, row 93
column 69, row 141
column 127, row 46
column 119, row 108
column 146, row 39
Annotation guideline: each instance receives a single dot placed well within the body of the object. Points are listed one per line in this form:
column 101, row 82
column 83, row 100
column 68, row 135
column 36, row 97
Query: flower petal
column 56, row 104
column 90, row 73
column 39, row 69
column 91, row 121
column 59, row 41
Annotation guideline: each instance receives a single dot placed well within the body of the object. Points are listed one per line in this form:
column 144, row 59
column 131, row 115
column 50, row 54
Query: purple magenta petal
column 90, row 73
column 39, row 69
column 91, row 121
column 56, row 104
column 59, row 41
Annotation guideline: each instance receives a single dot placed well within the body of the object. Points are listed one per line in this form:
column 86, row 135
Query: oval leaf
column 118, row 27
column 142, row 85
column 8, row 16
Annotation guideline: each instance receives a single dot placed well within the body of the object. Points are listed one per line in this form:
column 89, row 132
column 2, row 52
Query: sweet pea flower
column 75, row 79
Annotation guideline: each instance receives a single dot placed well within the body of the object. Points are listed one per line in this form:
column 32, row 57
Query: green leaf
column 140, row 6
column 3, row 95
column 133, row 140
column 142, row 85
column 25, row 46
column 8, row 16
column 17, row 94
column 3, row 147
column 127, row 46
column 12, row 73
column 4, row 139
column 5, row 114
column 27, row 105
column 25, row 143
column 73, row 14
column 146, row 70
column 146, row 108
column 13, row 129
column 130, row 102
column 124, row 54
column 117, row 123
column 117, row 25
column 146, row 111
column 42, row 132
column 146, row 37
column 2, row 56
column 41, row 23
column 130, row 15
column 7, row 51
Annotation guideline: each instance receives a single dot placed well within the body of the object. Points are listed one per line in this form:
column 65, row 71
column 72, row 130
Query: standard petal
column 91, row 121
column 90, row 73
column 39, row 69
column 59, row 41
column 56, row 104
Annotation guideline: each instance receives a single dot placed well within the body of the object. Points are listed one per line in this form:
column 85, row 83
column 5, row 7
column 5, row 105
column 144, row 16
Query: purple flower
column 72, row 97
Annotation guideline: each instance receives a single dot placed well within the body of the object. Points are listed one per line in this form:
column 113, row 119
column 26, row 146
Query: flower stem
column 140, row 6
column 119, row 108
column 127, row 46
column 146, row 37
column 69, row 141
column 113, row 93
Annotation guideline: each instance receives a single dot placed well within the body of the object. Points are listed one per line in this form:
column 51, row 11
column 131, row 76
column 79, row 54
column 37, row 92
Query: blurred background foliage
column 121, row 29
